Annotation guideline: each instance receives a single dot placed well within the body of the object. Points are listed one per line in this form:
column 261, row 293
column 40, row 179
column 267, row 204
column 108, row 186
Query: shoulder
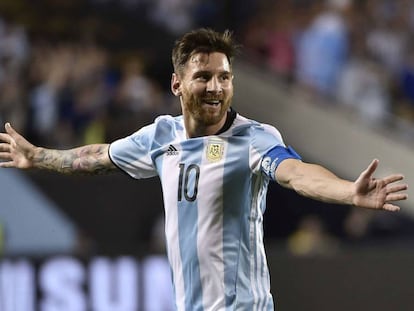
column 256, row 128
column 161, row 125
column 167, row 128
column 169, row 119
column 164, row 128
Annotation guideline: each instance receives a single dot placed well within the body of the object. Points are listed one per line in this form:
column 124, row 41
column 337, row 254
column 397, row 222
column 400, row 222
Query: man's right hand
column 15, row 150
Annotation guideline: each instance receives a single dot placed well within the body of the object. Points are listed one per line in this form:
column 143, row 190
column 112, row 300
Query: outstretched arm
column 316, row 182
column 16, row 151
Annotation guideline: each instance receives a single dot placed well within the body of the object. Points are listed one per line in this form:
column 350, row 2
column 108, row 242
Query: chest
column 204, row 166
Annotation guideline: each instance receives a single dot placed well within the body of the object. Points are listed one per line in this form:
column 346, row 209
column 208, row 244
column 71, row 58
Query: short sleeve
column 264, row 138
column 274, row 157
column 132, row 153
column 268, row 150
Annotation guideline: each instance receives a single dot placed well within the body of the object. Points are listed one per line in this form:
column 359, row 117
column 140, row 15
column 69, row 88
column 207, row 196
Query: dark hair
column 202, row 40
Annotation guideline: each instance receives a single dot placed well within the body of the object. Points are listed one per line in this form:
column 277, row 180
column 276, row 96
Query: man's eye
column 202, row 78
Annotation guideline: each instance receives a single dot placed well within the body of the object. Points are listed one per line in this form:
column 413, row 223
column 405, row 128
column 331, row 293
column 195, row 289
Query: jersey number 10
column 188, row 186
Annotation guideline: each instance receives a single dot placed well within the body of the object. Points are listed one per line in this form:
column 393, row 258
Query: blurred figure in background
column 387, row 36
column 14, row 56
column 135, row 90
column 312, row 239
column 322, row 48
column 12, row 100
column 49, row 73
column 363, row 84
column 404, row 106
column 137, row 98
column 174, row 15
column 280, row 41
column 68, row 94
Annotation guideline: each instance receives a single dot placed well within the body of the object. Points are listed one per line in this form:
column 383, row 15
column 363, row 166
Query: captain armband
column 274, row 157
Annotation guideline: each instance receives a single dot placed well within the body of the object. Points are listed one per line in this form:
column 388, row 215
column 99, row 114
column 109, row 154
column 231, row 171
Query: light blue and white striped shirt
column 214, row 190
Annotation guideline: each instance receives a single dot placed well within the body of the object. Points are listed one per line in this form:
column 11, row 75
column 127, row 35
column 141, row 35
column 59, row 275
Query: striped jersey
column 214, row 190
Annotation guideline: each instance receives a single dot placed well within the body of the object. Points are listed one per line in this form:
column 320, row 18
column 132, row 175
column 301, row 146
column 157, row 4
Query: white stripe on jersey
column 210, row 233
column 259, row 243
column 253, row 244
column 171, row 223
column 258, row 273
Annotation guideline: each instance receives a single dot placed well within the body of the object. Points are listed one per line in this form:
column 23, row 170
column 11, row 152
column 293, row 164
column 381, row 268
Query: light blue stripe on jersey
column 264, row 277
column 235, row 239
column 188, row 233
column 261, row 282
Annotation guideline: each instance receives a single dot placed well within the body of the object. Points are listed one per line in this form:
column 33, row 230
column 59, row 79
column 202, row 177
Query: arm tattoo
column 90, row 160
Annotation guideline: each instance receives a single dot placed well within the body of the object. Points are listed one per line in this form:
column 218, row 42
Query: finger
column 396, row 197
column 5, row 137
column 397, row 188
column 5, row 156
column 371, row 168
column 4, row 147
column 391, row 207
column 8, row 164
column 393, row 178
column 9, row 128
column 11, row 131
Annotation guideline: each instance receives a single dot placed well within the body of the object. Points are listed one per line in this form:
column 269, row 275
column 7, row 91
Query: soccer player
column 214, row 166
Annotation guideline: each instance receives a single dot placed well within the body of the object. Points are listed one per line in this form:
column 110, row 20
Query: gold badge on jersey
column 215, row 150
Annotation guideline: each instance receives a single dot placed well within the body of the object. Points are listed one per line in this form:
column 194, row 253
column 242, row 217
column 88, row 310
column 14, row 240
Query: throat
column 195, row 128
column 230, row 116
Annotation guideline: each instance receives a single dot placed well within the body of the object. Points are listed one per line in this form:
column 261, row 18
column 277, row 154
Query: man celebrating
column 214, row 166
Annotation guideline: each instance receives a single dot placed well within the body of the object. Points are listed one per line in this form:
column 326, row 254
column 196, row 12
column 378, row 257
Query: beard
column 205, row 113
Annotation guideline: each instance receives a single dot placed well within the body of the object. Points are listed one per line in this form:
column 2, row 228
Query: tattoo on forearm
column 91, row 159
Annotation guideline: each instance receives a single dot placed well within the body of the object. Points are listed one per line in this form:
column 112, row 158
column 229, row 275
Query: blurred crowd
column 79, row 72
column 356, row 53
column 62, row 90
column 71, row 90
column 61, row 95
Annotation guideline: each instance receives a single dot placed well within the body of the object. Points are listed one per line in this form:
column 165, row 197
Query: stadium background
column 75, row 72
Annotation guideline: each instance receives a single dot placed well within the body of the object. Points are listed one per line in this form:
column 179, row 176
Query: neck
column 195, row 129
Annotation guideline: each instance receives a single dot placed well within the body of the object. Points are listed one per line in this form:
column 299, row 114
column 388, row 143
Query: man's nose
column 213, row 85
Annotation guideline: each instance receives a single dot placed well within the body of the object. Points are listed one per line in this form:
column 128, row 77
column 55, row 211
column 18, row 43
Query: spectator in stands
column 256, row 37
column 89, row 95
column 136, row 91
column 404, row 106
column 12, row 101
column 137, row 98
column 14, row 46
column 363, row 84
column 173, row 15
column 387, row 41
column 49, row 72
column 322, row 49
column 14, row 54
column 69, row 92
column 280, row 45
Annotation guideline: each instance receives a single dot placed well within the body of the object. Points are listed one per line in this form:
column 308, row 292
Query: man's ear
column 175, row 85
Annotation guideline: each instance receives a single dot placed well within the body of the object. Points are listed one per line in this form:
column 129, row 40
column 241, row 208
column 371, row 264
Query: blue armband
column 274, row 157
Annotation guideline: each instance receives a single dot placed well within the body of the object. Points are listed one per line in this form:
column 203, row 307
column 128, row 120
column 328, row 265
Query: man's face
column 206, row 88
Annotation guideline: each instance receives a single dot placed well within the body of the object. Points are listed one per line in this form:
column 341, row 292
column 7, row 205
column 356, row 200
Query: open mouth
column 212, row 102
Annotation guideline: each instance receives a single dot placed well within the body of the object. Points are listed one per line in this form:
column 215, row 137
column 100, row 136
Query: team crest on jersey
column 215, row 150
